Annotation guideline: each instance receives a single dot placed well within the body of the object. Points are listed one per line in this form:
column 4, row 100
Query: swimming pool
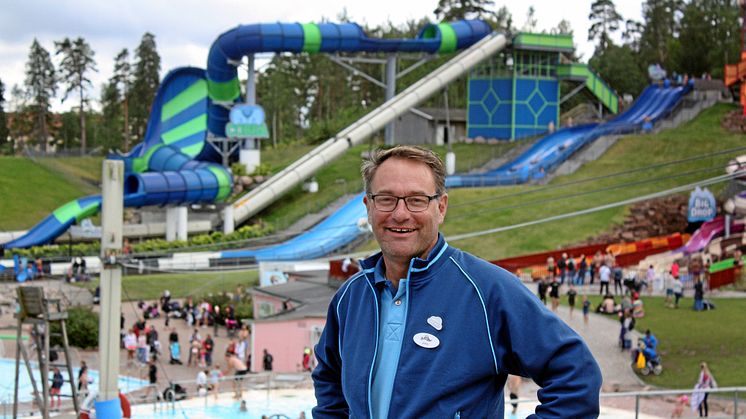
column 289, row 404
column 8, row 371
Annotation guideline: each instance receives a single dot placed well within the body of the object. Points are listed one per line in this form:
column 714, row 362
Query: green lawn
column 473, row 210
column 687, row 337
column 343, row 176
column 30, row 192
column 150, row 287
column 85, row 171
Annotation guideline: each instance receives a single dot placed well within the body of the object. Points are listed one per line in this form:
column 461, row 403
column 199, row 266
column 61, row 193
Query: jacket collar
column 418, row 268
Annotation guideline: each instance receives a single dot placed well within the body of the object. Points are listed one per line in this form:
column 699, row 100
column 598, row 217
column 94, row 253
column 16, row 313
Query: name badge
column 426, row 340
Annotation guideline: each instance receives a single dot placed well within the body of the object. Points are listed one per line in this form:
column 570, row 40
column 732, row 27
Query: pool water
column 288, row 404
column 25, row 393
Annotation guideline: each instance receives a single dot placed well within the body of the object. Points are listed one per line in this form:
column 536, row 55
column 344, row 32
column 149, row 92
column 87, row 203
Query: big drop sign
column 702, row 206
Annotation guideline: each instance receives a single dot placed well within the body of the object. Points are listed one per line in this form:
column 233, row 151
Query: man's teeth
column 401, row 230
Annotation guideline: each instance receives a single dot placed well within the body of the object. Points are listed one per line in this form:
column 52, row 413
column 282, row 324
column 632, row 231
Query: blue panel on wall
column 477, row 89
column 548, row 89
column 523, row 89
column 503, row 88
column 548, row 115
column 523, row 115
column 477, row 115
column 502, row 115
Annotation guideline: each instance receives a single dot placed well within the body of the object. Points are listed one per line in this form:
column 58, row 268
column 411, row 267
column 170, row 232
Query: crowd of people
column 145, row 351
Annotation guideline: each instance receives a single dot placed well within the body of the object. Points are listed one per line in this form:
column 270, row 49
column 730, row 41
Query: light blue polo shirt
column 393, row 306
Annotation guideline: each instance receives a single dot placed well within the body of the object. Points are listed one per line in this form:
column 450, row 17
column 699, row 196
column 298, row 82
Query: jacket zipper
column 375, row 351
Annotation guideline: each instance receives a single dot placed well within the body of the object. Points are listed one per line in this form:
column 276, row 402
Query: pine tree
column 145, row 84
column 450, row 10
column 661, row 22
column 111, row 115
column 41, row 85
column 605, row 20
column 531, row 21
column 77, row 60
column 122, row 81
column 4, row 132
column 710, row 33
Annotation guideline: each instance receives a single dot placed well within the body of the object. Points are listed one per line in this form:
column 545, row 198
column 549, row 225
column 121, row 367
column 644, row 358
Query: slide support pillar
column 182, row 221
column 390, row 93
column 248, row 155
column 229, row 224
column 171, row 221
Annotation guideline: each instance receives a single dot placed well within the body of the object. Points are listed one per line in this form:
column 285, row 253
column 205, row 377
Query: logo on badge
column 435, row 322
column 426, row 340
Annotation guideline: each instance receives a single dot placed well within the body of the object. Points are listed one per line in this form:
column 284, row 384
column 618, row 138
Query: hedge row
column 207, row 242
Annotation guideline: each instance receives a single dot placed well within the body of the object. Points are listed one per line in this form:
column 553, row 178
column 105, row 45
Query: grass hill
column 31, row 189
column 480, row 209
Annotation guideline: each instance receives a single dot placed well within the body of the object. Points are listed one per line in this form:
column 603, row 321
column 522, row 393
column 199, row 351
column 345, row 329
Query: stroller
column 646, row 360
column 174, row 392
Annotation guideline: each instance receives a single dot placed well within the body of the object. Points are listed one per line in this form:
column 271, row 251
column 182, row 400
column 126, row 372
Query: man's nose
column 400, row 210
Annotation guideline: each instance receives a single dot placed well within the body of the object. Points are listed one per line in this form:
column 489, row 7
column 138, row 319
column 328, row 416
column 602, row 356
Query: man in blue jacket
column 425, row 330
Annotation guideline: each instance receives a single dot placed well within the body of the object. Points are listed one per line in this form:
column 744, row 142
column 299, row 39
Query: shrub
column 244, row 310
column 82, row 328
column 214, row 240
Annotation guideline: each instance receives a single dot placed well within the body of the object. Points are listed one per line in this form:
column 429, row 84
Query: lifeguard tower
column 43, row 315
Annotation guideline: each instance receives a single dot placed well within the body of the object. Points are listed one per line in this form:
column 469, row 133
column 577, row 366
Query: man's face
column 403, row 234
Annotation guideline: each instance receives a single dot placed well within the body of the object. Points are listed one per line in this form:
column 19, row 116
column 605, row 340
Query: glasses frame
column 403, row 198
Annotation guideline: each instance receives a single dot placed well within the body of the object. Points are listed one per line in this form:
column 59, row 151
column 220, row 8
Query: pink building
column 287, row 319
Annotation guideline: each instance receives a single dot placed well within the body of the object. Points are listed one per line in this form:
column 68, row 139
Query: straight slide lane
column 548, row 153
column 259, row 198
column 336, row 231
column 541, row 157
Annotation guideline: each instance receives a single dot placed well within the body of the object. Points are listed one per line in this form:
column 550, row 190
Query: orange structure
column 736, row 73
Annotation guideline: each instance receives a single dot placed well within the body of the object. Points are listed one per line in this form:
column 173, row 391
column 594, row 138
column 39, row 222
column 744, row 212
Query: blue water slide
column 339, row 229
column 231, row 46
column 549, row 152
column 169, row 166
column 539, row 159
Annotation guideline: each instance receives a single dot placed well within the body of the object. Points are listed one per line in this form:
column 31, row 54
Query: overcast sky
column 185, row 29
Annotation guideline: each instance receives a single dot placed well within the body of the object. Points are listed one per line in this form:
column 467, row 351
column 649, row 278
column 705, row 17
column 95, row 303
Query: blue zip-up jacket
column 492, row 326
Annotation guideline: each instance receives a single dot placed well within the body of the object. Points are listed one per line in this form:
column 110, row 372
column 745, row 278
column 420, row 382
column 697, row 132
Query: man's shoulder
column 480, row 269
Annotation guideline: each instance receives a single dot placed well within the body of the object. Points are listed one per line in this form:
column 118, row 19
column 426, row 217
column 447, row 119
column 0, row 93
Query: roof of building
column 310, row 298
column 439, row 114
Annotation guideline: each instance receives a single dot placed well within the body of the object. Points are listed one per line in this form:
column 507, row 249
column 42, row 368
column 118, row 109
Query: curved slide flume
column 231, row 46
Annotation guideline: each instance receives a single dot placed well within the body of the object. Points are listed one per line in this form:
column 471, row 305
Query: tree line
column 691, row 38
column 125, row 99
column 309, row 98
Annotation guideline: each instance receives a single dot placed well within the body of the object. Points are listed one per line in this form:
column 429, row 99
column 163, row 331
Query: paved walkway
column 601, row 335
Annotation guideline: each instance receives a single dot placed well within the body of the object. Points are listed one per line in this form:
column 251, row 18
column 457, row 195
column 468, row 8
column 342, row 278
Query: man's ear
column 442, row 207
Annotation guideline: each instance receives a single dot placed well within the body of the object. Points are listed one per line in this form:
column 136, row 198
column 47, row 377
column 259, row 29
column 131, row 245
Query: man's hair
column 415, row 153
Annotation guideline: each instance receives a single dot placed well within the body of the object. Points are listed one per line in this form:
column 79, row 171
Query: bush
column 244, row 310
column 213, row 241
column 82, row 328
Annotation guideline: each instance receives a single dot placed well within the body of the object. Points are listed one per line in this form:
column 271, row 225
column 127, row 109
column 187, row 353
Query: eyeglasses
column 414, row 203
